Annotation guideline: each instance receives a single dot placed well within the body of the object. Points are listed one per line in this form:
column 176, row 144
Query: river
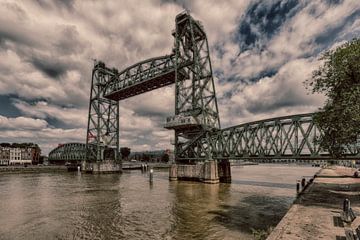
column 127, row 206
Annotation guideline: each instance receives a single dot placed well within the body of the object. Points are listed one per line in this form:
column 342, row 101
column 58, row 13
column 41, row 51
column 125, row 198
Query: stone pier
column 106, row 166
column 206, row 172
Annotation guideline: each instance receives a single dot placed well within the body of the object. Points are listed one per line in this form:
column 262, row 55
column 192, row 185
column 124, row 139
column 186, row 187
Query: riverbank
column 61, row 168
column 315, row 214
column 32, row 169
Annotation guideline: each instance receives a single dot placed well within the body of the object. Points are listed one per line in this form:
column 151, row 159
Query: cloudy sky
column 261, row 52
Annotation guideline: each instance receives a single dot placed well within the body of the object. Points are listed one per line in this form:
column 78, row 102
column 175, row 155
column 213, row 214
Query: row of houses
column 19, row 155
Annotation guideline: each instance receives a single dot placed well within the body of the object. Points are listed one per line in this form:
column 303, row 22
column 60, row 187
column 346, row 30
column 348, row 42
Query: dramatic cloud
column 22, row 123
column 261, row 53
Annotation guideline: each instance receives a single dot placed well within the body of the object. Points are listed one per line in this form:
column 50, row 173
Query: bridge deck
column 143, row 86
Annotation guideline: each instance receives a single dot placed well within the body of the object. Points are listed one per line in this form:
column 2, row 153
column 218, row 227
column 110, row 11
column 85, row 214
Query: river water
column 127, row 206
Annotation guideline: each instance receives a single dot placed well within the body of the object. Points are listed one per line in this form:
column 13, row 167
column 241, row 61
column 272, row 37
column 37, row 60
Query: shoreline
column 32, row 169
column 315, row 213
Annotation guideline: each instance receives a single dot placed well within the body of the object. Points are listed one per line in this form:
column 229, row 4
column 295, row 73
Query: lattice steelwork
column 292, row 137
column 196, row 110
column 143, row 77
column 69, row 152
column 103, row 120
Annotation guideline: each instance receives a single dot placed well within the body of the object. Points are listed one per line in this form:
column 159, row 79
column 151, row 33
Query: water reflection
column 192, row 203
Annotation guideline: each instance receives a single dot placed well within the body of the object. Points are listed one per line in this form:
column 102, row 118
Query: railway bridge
column 202, row 147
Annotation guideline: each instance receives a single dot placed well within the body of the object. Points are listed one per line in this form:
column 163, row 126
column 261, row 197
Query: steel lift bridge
column 200, row 143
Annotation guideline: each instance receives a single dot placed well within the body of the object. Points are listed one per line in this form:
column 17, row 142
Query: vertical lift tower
column 196, row 109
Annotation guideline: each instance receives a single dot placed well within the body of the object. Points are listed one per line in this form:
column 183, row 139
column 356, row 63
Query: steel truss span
column 292, row 137
column 68, row 152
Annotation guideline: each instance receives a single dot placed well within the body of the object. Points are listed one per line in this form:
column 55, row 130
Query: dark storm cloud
column 15, row 37
column 50, row 67
column 262, row 20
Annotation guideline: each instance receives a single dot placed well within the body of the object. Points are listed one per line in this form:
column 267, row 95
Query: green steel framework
column 195, row 97
column 198, row 136
column 103, row 120
column 68, row 152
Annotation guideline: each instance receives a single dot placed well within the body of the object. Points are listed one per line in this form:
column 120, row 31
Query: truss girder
column 142, row 77
column 68, row 152
column 294, row 137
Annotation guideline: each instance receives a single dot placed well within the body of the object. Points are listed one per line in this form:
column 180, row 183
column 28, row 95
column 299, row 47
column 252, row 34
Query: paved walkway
column 316, row 212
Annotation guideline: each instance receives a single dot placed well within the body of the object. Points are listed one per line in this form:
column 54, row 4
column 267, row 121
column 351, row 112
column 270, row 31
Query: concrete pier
column 106, row 166
column 206, row 172
column 316, row 213
column 224, row 169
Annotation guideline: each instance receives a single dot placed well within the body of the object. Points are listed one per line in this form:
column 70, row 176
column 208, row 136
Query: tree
column 165, row 158
column 339, row 79
column 125, row 152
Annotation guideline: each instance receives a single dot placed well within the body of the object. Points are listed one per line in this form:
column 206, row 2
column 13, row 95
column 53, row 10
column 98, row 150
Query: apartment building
column 11, row 155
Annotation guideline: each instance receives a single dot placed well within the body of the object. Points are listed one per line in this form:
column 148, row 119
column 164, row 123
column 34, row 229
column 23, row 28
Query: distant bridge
column 198, row 135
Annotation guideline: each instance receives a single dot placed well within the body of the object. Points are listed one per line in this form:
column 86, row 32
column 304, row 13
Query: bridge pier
column 106, row 166
column 206, row 172
column 224, row 171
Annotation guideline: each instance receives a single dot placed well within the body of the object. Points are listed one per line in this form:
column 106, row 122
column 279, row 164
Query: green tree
column 165, row 157
column 339, row 80
column 125, row 152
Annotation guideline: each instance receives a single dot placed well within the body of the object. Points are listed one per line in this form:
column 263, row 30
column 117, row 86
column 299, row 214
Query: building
column 20, row 156
column 4, row 156
column 35, row 155
column 15, row 154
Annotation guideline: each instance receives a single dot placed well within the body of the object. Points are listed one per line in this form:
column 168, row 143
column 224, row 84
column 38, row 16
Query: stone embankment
column 315, row 213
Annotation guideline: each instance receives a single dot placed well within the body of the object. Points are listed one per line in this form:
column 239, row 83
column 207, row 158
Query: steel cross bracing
column 143, row 77
column 292, row 137
column 198, row 136
column 69, row 152
column 103, row 120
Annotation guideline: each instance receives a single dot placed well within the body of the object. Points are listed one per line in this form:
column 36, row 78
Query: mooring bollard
column 151, row 175
column 297, row 187
column 346, row 205
column 303, row 181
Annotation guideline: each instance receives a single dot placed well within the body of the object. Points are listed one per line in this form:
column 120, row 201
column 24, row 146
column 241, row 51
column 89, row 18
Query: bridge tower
column 196, row 109
column 102, row 138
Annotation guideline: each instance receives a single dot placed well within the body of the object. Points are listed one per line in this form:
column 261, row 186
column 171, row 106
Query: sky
column 261, row 53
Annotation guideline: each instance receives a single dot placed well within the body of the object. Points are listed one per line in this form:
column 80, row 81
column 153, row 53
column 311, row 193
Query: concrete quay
column 315, row 213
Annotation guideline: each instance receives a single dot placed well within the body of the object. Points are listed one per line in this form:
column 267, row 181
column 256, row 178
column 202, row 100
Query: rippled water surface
column 127, row 206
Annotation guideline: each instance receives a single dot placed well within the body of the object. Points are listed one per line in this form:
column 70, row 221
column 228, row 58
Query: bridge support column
column 224, row 171
column 206, row 172
column 106, row 166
